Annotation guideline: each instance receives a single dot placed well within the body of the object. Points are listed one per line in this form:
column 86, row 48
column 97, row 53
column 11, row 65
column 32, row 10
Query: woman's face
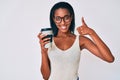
column 62, row 19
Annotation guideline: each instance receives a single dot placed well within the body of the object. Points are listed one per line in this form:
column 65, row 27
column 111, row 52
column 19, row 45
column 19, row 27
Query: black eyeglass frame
column 66, row 21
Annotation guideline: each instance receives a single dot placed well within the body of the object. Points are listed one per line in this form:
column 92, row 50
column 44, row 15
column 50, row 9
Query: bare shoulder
column 83, row 41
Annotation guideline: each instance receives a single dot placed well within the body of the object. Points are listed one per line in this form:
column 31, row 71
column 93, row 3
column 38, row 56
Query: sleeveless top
column 64, row 63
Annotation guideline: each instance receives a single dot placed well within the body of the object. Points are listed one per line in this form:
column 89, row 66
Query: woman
column 61, row 61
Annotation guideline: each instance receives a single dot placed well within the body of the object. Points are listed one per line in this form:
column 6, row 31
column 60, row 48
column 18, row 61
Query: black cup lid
column 46, row 29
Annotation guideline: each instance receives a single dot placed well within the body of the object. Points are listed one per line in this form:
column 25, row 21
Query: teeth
column 63, row 27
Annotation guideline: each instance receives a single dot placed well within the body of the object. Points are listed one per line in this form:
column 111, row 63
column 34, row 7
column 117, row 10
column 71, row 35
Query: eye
column 57, row 18
column 67, row 17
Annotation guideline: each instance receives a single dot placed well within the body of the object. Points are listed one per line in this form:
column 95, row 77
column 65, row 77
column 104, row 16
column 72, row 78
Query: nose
column 62, row 22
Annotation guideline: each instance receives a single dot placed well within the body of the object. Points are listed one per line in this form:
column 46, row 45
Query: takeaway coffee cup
column 49, row 33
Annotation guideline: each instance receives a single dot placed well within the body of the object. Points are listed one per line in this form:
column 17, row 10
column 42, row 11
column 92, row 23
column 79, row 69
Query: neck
column 63, row 34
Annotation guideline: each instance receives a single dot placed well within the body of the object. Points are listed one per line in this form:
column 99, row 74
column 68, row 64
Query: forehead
column 61, row 12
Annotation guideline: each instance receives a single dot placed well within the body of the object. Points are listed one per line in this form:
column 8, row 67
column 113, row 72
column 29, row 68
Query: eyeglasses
column 66, row 19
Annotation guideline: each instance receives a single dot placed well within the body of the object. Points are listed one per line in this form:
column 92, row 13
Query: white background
column 21, row 21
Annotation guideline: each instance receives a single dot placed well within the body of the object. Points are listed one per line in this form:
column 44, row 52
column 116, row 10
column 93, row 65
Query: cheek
column 69, row 24
column 57, row 25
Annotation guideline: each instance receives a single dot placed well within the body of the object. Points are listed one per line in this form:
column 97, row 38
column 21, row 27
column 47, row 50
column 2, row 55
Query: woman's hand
column 43, row 41
column 84, row 29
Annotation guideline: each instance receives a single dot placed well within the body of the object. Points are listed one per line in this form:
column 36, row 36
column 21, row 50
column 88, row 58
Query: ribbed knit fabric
column 64, row 64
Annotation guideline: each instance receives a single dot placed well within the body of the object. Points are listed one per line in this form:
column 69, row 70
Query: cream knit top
column 64, row 64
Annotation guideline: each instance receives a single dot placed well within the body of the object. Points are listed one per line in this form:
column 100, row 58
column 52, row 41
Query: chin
column 64, row 31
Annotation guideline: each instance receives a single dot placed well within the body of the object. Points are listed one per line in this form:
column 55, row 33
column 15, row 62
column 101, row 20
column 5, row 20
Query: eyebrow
column 63, row 16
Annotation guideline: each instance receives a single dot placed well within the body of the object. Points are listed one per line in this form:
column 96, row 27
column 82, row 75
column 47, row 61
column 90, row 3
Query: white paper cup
column 49, row 33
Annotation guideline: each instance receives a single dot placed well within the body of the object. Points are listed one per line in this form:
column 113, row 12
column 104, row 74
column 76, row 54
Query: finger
column 83, row 22
column 42, row 39
column 46, row 39
column 42, row 36
column 39, row 35
column 44, row 43
column 79, row 29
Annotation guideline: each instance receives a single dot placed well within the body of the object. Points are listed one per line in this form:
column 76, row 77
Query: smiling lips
column 63, row 27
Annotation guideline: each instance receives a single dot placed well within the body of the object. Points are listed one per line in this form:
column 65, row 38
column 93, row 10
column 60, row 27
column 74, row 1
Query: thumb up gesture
column 84, row 29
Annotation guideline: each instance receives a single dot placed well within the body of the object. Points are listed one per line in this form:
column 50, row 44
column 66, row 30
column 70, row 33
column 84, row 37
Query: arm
column 45, row 64
column 102, row 47
column 96, row 45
